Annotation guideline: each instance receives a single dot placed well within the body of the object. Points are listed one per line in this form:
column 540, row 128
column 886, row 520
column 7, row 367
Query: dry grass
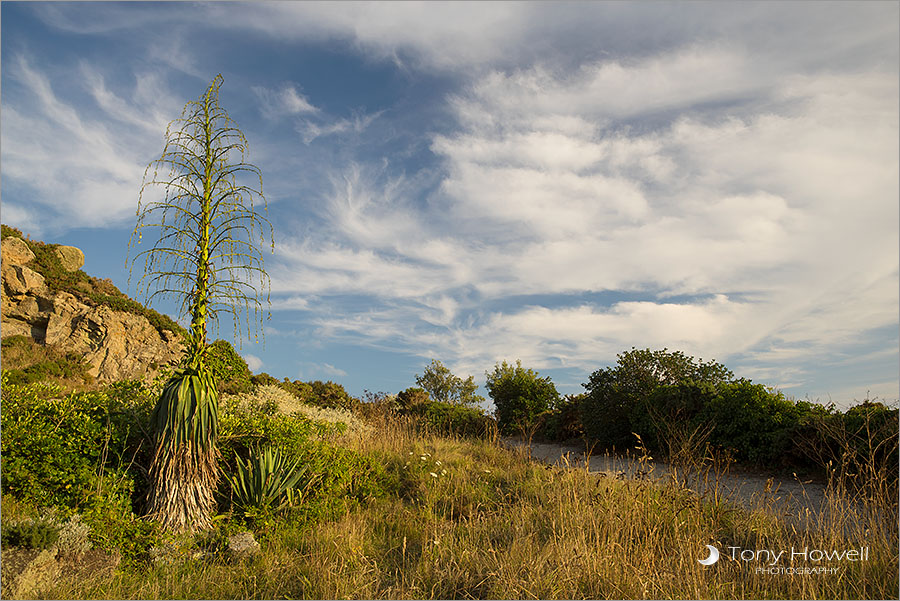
column 477, row 521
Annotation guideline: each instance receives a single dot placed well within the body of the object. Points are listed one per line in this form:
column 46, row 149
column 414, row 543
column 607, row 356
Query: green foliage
column 31, row 534
column 188, row 410
column 757, row 424
column 340, row 478
column 412, row 397
column 326, row 394
column 52, row 444
column 229, row 369
column 7, row 231
column 264, row 379
column 445, row 387
column 266, row 481
column 451, row 419
column 519, row 395
column 563, row 421
column 77, row 452
column 613, row 392
column 247, row 425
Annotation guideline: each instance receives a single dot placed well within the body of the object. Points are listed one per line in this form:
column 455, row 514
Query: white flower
column 433, row 475
column 422, row 458
column 443, row 472
column 437, row 463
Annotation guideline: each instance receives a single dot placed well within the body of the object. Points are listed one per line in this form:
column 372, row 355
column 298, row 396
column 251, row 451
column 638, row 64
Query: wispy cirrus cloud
column 285, row 101
column 87, row 168
column 747, row 215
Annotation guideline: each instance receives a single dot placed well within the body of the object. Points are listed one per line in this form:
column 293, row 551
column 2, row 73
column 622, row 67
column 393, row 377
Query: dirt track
column 790, row 498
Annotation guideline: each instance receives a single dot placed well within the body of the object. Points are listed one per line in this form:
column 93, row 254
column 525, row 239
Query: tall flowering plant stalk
column 208, row 257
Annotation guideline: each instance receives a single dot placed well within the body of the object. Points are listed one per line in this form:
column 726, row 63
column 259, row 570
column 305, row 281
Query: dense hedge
column 614, row 392
column 452, row 419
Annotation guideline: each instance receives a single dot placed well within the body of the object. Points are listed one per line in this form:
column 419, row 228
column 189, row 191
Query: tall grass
column 474, row 520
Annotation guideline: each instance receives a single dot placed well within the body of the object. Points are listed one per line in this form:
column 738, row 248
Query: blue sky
column 479, row 182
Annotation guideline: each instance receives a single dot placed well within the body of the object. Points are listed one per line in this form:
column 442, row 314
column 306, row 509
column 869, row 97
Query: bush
column 450, row 419
column 31, row 534
column 327, row 394
column 614, row 392
column 519, row 396
column 230, row 370
column 72, row 452
column 412, row 397
column 563, row 421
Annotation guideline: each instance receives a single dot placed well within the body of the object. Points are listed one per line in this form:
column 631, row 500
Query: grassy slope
column 476, row 521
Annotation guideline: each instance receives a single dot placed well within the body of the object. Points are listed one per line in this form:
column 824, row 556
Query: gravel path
column 791, row 498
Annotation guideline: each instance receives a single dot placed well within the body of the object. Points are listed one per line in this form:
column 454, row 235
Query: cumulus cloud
column 253, row 362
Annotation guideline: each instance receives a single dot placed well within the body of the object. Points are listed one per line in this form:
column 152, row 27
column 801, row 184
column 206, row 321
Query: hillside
column 62, row 323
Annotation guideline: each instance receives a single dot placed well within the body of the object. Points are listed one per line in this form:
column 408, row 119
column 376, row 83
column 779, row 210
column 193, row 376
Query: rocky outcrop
column 117, row 345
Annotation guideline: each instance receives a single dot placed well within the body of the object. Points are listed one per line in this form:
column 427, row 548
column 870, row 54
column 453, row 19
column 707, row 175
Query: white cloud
column 778, row 223
column 88, row 170
column 310, row 130
column 253, row 362
column 283, row 102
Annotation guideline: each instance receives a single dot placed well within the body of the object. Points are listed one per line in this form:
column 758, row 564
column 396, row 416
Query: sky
column 480, row 182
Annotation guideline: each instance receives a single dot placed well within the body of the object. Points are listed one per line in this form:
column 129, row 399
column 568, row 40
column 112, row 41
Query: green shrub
column 230, row 370
column 562, row 422
column 264, row 379
column 519, row 396
column 245, row 424
column 73, row 453
column 31, row 534
column 613, row 392
column 411, row 397
column 329, row 395
column 451, row 419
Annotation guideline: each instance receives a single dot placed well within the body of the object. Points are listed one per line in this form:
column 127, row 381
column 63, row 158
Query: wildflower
column 433, row 475
column 486, row 471
column 422, row 458
column 443, row 472
column 437, row 463
column 410, row 452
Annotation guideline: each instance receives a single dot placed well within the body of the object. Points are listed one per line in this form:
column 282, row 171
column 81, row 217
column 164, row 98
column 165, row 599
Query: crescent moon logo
column 713, row 556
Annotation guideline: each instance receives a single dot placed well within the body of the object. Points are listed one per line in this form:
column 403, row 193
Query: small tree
column 207, row 257
column 520, row 396
column 614, row 392
column 444, row 387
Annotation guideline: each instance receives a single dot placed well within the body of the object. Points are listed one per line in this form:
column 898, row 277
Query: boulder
column 242, row 545
column 15, row 251
column 70, row 257
column 26, row 572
